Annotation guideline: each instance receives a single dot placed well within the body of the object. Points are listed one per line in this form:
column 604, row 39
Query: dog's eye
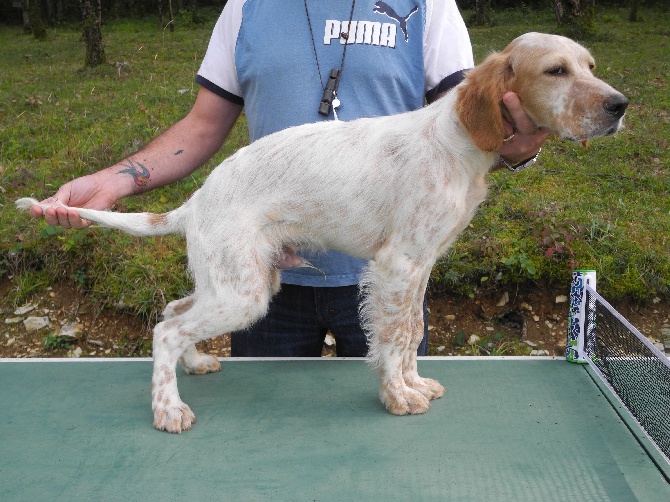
column 558, row 70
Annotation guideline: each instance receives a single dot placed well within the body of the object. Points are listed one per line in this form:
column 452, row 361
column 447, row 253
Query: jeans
column 299, row 318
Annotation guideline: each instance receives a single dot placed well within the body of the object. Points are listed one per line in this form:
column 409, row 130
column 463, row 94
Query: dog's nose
column 616, row 105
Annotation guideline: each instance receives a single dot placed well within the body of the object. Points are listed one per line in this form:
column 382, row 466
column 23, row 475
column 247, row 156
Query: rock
column 123, row 68
column 13, row 320
column 561, row 299
column 450, row 317
column 35, row 323
column 441, row 348
column 75, row 353
column 11, row 341
column 473, row 339
column 24, row 310
column 503, row 299
column 530, row 344
column 71, row 331
column 539, row 353
column 536, row 318
column 524, row 305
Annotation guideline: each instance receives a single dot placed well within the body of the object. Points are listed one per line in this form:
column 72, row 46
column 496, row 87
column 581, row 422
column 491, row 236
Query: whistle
column 329, row 92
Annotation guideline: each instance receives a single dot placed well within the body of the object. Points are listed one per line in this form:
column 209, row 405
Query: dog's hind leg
column 394, row 286
column 193, row 361
column 232, row 306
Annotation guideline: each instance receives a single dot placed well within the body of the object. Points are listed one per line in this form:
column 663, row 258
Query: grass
column 605, row 208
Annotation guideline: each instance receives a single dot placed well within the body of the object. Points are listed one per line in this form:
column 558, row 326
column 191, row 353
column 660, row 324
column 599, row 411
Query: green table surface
column 508, row 430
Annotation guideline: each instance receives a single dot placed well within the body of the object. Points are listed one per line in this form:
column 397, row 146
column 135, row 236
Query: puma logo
column 385, row 9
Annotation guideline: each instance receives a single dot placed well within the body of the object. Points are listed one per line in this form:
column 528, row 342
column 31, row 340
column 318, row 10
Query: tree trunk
column 171, row 21
column 60, row 11
column 36, row 22
column 25, row 16
column 482, row 15
column 51, row 12
column 91, row 20
column 576, row 18
column 634, row 6
column 193, row 9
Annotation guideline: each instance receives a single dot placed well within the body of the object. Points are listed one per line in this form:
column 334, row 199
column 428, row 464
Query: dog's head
column 552, row 75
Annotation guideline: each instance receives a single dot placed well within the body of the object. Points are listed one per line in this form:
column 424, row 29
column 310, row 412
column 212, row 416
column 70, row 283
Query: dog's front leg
column 432, row 389
column 393, row 313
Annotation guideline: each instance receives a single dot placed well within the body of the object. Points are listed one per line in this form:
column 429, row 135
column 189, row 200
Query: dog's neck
column 458, row 139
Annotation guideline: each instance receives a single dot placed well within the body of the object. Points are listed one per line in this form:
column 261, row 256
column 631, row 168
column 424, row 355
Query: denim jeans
column 299, row 318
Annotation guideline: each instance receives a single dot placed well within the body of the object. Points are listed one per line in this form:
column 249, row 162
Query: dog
column 396, row 191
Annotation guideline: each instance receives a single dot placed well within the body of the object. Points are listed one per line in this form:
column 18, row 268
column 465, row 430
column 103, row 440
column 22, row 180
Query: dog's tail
column 141, row 224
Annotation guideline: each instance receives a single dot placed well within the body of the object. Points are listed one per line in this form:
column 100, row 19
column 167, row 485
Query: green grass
column 605, row 208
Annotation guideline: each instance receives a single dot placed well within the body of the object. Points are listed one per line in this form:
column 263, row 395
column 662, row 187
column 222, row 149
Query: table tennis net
column 635, row 370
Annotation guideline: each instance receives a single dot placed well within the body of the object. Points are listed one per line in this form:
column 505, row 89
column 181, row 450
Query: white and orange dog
column 394, row 190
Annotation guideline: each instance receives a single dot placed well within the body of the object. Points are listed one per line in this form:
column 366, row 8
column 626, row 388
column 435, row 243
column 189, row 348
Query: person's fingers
column 36, row 211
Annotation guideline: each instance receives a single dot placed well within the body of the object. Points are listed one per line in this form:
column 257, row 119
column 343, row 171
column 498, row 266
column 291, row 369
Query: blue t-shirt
column 262, row 54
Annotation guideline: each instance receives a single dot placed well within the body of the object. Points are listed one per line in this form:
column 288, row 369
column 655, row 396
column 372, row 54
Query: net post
column 577, row 315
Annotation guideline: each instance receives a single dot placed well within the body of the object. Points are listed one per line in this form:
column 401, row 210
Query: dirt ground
column 529, row 321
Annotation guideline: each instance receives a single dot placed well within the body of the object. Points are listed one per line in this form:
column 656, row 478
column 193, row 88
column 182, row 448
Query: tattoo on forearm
column 178, row 152
column 139, row 173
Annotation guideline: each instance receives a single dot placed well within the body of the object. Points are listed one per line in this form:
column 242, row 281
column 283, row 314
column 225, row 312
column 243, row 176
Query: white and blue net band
column 635, row 371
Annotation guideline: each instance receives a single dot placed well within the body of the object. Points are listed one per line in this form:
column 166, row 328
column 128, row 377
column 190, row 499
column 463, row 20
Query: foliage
column 54, row 342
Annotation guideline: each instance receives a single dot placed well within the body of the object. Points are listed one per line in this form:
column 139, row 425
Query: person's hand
column 523, row 139
column 86, row 191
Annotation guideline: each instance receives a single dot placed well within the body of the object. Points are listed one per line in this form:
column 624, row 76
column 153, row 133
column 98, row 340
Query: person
column 286, row 64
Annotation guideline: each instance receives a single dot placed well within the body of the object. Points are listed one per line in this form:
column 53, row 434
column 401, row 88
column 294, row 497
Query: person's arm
column 173, row 155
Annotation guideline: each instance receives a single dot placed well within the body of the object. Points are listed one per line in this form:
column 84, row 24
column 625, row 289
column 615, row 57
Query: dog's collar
column 524, row 164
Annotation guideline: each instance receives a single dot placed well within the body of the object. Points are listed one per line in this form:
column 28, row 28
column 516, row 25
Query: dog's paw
column 404, row 401
column 200, row 364
column 430, row 388
column 173, row 418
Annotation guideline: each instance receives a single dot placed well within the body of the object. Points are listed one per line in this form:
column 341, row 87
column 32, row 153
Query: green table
column 508, row 429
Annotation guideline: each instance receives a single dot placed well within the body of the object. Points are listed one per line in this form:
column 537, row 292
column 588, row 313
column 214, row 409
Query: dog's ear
column 478, row 104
